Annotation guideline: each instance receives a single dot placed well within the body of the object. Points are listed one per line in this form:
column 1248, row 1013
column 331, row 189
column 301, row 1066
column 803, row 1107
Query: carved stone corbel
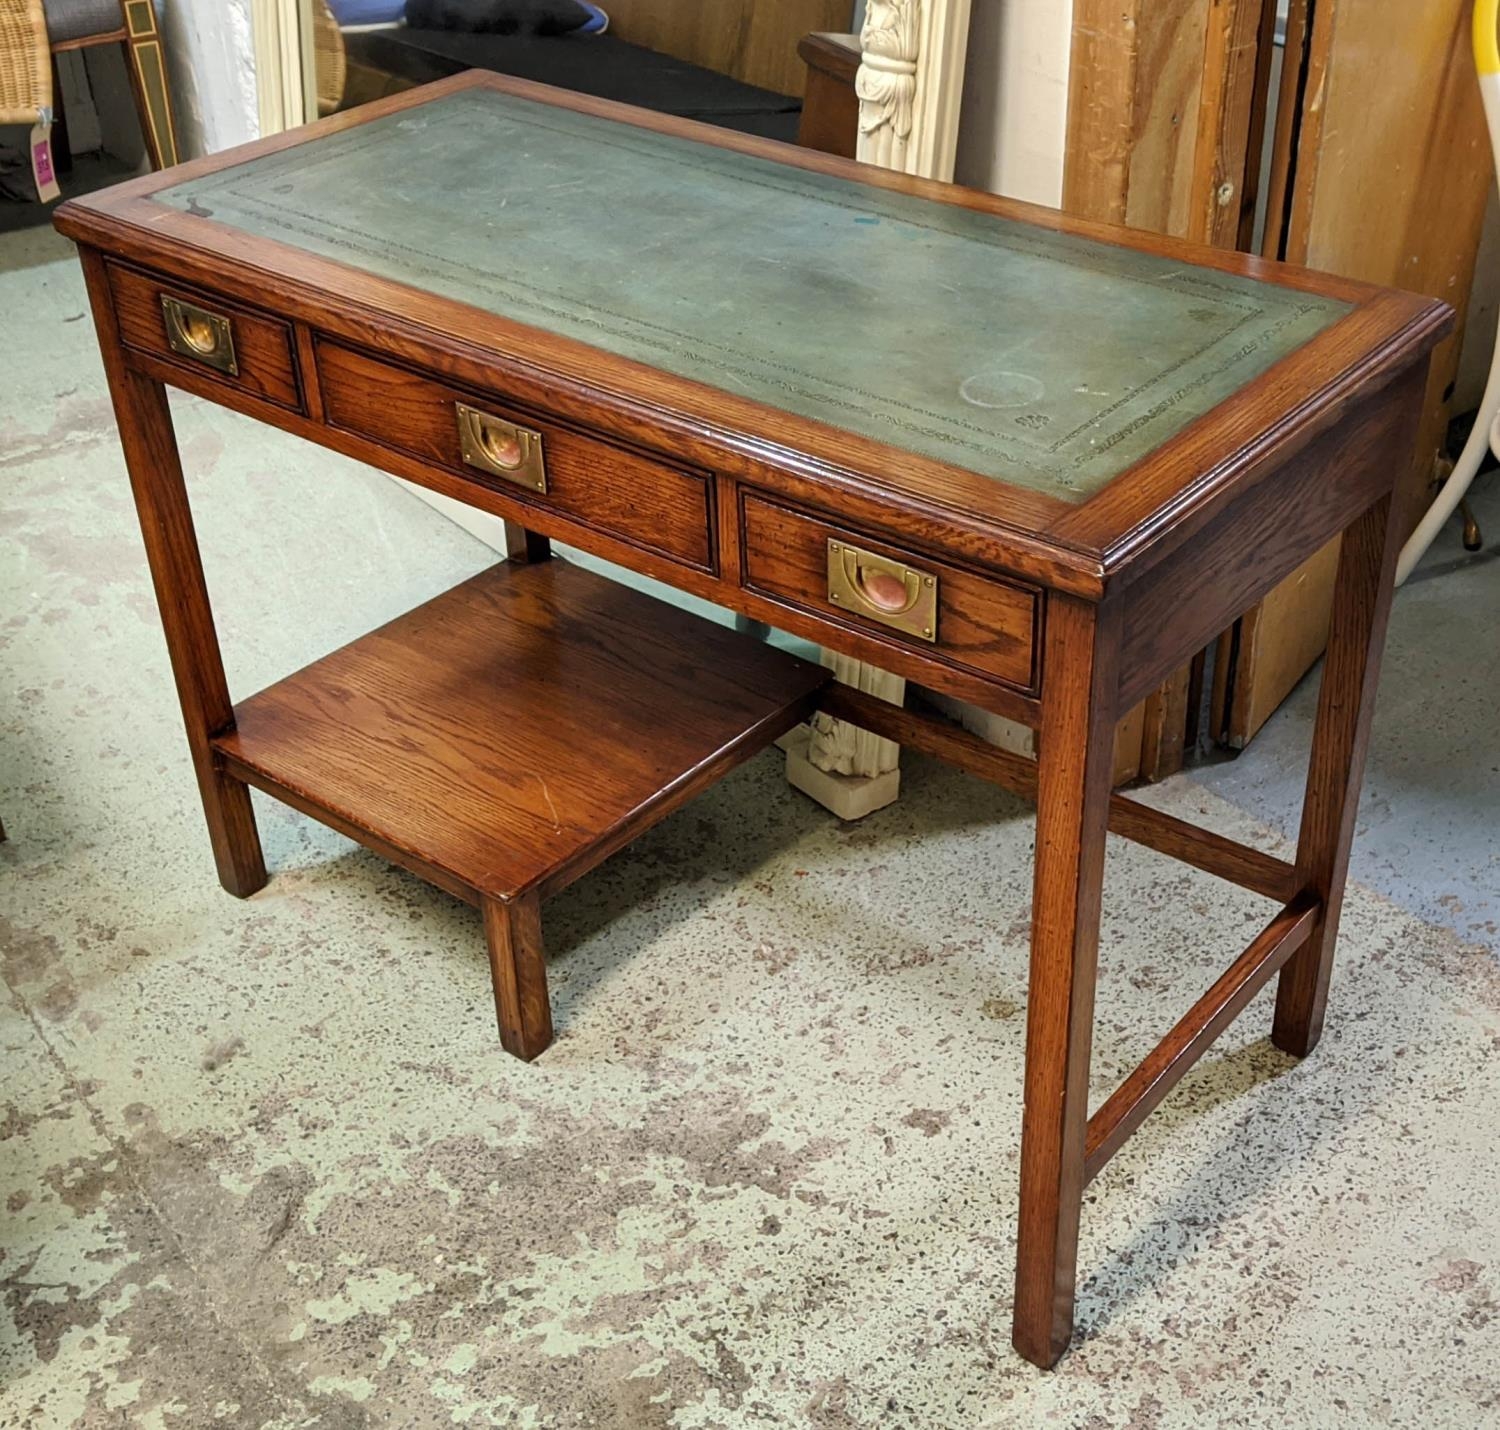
column 886, row 84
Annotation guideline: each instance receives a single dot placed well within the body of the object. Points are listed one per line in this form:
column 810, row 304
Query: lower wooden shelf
column 507, row 736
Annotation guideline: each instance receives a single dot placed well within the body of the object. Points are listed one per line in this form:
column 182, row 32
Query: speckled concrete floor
column 264, row 1164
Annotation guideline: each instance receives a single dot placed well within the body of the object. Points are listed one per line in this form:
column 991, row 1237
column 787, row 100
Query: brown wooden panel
column 262, row 344
column 1262, row 657
column 613, row 488
column 1162, row 126
column 830, row 108
column 1269, row 532
column 1391, row 106
column 1162, row 134
column 749, row 40
column 984, row 623
column 512, row 732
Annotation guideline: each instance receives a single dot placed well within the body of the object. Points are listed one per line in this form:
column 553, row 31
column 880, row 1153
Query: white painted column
column 211, row 70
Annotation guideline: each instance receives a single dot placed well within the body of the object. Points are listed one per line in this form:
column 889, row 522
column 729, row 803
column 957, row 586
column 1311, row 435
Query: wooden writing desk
column 1030, row 462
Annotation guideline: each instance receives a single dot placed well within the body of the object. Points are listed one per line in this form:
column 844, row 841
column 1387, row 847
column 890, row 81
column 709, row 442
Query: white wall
column 1012, row 130
column 211, row 64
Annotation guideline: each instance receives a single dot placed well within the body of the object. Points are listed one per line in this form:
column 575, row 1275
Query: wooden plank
column 1125, row 762
column 1341, row 738
column 830, row 107
column 1289, row 104
column 1400, row 124
column 756, row 43
column 1101, row 110
column 1381, row 170
column 1202, row 848
column 513, row 732
column 1135, row 1098
column 1224, row 153
column 1260, row 114
column 1161, row 104
column 1272, row 647
column 1073, row 784
column 1164, row 721
column 1168, row 93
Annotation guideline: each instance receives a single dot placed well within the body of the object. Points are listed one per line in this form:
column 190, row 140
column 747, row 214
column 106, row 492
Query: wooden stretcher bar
column 1189, row 843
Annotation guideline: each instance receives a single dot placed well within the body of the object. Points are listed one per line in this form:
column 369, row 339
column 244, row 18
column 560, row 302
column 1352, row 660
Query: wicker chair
column 80, row 24
column 332, row 62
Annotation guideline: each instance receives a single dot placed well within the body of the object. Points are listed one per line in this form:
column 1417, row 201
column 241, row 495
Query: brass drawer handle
column 891, row 592
column 491, row 444
column 198, row 334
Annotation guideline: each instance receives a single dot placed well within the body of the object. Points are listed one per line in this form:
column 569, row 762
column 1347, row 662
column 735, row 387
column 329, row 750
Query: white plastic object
column 1486, row 433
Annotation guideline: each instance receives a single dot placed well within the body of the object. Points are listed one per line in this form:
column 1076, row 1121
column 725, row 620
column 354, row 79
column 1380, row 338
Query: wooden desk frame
column 1129, row 584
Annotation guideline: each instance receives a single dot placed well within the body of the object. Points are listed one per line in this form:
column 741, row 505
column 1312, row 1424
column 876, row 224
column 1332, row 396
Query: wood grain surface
column 1073, row 791
column 988, row 625
column 262, row 343
column 749, row 40
column 515, row 730
column 616, row 489
column 150, row 445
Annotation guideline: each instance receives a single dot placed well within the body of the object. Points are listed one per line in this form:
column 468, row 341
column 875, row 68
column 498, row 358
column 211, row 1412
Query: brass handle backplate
column 198, row 334
column 891, row 592
column 491, row 444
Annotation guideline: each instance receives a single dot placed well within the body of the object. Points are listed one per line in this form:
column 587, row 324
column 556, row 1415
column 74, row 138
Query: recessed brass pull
column 198, row 334
column 491, row 444
column 891, row 592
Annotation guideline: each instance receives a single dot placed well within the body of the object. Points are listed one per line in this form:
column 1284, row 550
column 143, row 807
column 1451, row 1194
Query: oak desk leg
column 513, row 932
column 522, row 544
column 1074, row 777
column 161, row 501
column 1346, row 700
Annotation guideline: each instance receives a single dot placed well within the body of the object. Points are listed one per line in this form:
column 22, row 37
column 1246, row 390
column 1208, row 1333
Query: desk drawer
column 982, row 623
column 615, row 490
column 204, row 334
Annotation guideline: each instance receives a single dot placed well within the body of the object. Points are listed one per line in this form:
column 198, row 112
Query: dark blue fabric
column 367, row 12
column 500, row 17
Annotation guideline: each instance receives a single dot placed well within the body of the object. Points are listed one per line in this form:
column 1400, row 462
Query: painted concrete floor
column 264, row 1164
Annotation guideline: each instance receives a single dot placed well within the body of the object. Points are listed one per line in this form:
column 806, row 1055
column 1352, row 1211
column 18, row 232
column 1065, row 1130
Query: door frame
column 286, row 77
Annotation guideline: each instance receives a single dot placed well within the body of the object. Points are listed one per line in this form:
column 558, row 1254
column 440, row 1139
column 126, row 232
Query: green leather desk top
column 1040, row 359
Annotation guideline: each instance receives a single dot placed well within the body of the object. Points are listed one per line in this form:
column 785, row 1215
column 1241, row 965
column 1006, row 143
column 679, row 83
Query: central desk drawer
column 613, row 489
column 984, row 623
